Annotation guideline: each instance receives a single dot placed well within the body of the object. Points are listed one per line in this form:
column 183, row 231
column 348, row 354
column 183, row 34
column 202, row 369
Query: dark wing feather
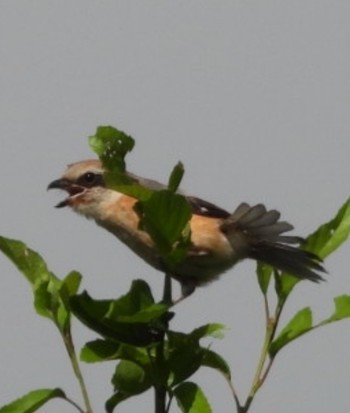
column 206, row 209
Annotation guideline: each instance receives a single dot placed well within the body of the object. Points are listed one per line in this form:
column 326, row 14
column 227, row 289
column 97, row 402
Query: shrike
column 219, row 239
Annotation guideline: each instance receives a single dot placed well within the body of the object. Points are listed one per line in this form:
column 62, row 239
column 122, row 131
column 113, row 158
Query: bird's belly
column 209, row 255
column 201, row 270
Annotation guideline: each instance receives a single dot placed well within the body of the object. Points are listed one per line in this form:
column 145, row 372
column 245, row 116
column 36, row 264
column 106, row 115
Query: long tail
column 262, row 232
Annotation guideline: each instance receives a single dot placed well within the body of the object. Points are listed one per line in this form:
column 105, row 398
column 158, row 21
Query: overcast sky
column 252, row 96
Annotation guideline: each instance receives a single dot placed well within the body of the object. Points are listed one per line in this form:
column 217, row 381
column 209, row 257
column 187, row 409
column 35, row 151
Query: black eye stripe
column 90, row 179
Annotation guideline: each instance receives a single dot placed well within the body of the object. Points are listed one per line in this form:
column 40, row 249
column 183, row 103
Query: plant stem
column 161, row 377
column 160, row 389
column 267, row 308
column 261, row 374
column 170, row 398
column 233, row 391
column 262, row 360
column 68, row 341
column 72, row 402
column 160, row 394
column 160, row 399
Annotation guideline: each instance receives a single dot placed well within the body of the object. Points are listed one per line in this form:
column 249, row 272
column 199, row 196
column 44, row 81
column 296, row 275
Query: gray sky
column 252, row 96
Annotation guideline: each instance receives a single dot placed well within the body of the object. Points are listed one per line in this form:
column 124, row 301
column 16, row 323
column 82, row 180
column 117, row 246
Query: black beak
column 68, row 186
column 60, row 184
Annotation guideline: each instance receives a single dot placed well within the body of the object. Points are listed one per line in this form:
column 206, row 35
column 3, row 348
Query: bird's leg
column 187, row 289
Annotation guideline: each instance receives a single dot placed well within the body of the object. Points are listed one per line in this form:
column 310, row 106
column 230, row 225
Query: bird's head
column 84, row 183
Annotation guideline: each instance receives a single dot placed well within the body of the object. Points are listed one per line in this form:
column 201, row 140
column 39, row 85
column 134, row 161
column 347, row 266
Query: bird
column 219, row 239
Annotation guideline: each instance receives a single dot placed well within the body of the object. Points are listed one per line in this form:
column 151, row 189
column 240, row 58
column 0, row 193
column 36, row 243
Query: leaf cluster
column 322, row 242
column 134, row 335
column 134, row 331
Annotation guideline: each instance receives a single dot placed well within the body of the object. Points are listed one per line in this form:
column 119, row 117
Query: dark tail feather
column 302, row 264
column 261, row 230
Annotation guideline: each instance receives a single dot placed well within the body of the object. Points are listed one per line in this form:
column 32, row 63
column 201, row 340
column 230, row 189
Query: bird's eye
column 90, row 179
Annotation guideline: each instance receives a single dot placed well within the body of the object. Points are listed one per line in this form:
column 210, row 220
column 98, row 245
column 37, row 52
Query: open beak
column 67, row 186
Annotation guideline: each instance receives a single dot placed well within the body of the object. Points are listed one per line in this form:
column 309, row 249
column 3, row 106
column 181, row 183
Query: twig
column 160, row 389
column 72, row 402
column 263, row 367
column 67, row 338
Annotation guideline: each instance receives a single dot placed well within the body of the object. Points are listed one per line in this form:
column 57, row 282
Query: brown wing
column 206, row 209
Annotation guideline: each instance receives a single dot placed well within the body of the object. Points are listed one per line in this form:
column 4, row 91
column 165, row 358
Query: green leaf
column 147, row 315
column 176, row 177
column 342, row 309
column 215, row 361
column 284, row 284
column 139, row 297
column 191, row 399
column 48, row 298
column 137, row 305
column 132, row 319
column 215, row 330
column 32, row 401
column 130, row 378
column 100, row 350
column 111, row 145
column 129, row 187
column 93, row 313
column 184, row 353
column 70, row 285
column 184, row 356
column 165, row 216
column 29, row 262
column 328, row 237
column 300, row 324
column 116, row 399
column 105, row 350
column 264, row 273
